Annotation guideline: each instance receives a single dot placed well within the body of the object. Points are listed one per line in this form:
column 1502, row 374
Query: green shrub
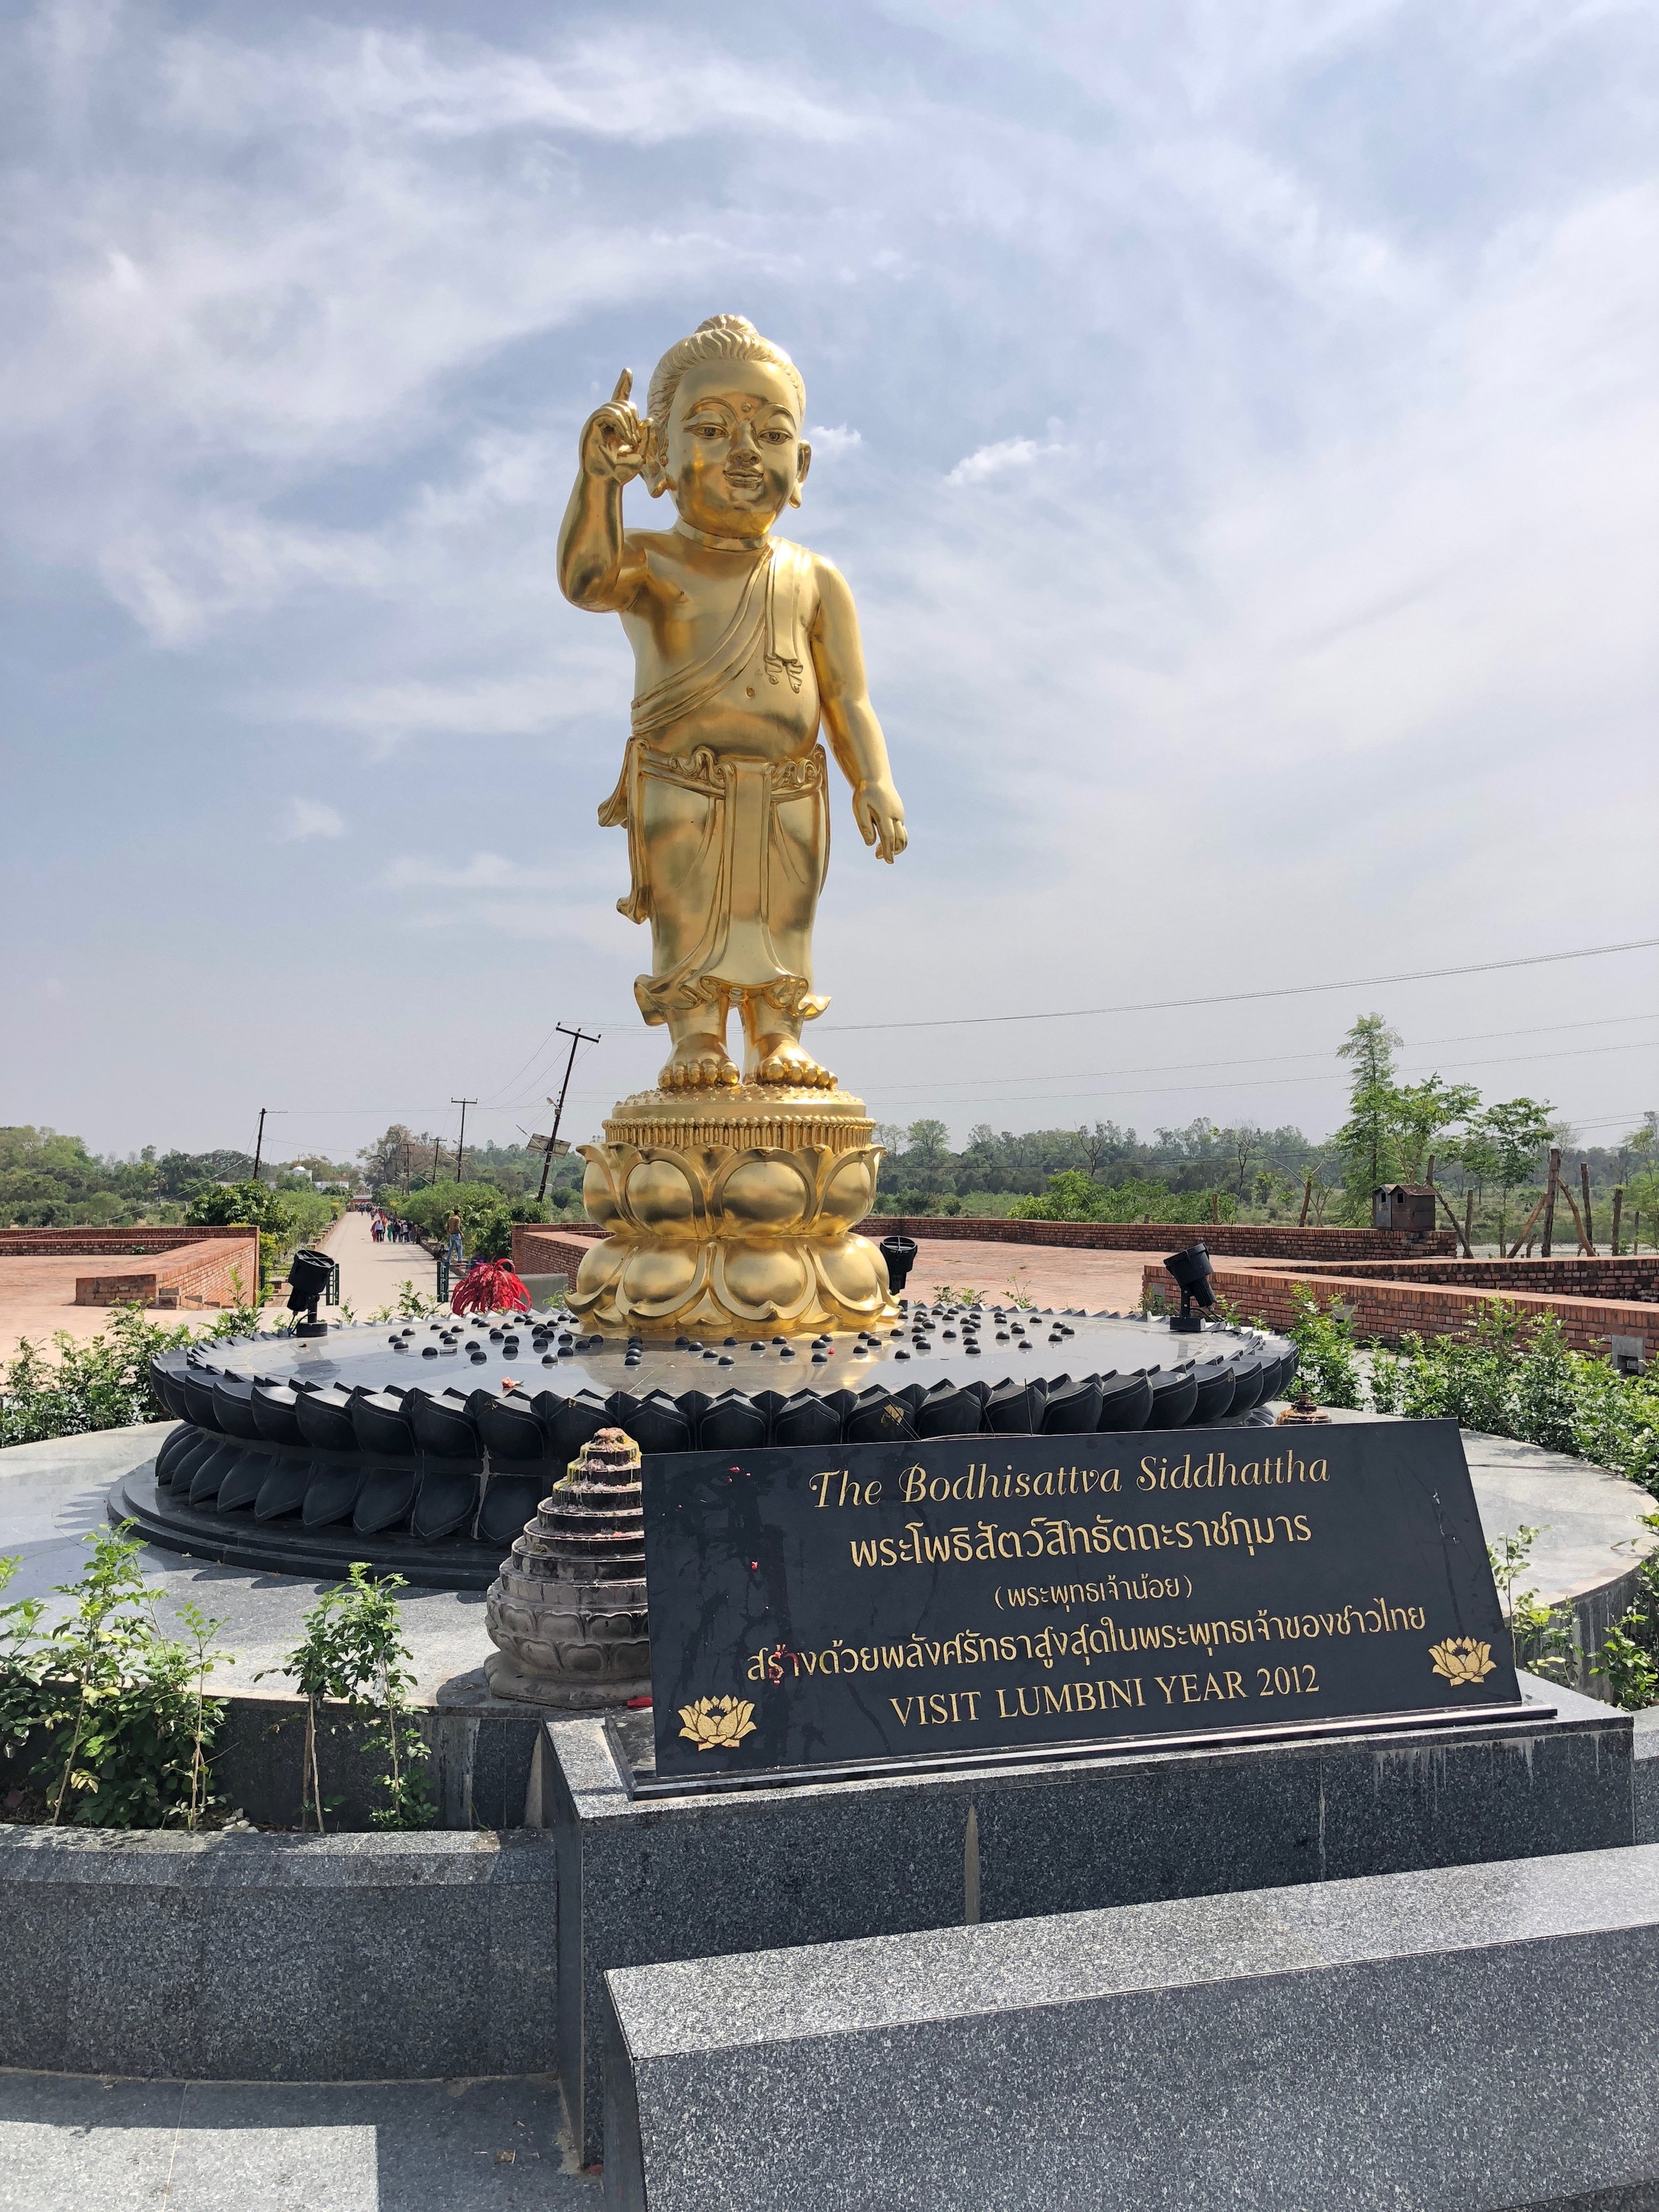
column 284, row 1218
column 102, row 1384
column 487, row 1217
column 105, row 1720
column 1511, row 1378
column 1328, row 1365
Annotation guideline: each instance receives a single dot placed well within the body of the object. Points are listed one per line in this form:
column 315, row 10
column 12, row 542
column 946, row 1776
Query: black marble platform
column 424, row 1449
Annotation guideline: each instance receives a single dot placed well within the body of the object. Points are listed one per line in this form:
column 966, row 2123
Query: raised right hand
column 613, row 439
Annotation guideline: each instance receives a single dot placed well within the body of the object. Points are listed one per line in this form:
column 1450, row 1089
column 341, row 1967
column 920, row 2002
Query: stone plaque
column 988, row 1595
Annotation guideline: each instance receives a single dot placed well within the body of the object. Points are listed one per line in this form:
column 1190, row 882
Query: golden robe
column 727, row 853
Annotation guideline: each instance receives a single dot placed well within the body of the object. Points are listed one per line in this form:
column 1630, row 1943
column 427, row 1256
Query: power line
column 1241, row 997
column 1273, row 1058
column 1280, row 1082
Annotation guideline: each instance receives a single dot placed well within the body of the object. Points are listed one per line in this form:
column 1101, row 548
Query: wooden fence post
column 1526, row 1233
column 1307, row 1200
column 1617, row 1208
column 1590, row 1225
column 1549, row 1202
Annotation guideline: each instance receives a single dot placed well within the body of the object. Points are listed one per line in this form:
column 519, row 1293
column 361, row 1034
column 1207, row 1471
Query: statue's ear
column 653, row 471
column 800, row 473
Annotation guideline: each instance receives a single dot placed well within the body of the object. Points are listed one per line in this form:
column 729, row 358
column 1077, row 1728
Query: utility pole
column 460, row 1148
column 437, row 1149
column 259, row 1141
column 576, row 1037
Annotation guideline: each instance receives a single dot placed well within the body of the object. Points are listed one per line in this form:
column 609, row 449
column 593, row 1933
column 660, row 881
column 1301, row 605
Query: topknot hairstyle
column 722, row 337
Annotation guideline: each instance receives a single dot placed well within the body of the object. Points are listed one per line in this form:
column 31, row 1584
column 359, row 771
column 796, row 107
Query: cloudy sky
column 1236, row 419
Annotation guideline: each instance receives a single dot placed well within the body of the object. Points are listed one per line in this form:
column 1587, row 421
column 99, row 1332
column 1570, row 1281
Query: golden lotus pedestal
column 733, row 1211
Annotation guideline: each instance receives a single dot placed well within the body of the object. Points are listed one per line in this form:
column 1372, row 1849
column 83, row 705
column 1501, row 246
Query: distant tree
column 179, row 1174
column 1099, row 1144
column 1421, row 1111
column 1243, row 1143
column 1367, row 1140
column 1638, row 1152
column 1502, row 1146
column 394, row 1159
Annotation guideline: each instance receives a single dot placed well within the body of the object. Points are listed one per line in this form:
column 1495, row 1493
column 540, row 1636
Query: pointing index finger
column 624, row 385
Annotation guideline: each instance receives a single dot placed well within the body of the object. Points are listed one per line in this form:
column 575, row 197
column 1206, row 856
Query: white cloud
column 476, row 709
column 998, row 459
column 484, row 872
column 311, row 818
column 834, row 438
column 456, row 87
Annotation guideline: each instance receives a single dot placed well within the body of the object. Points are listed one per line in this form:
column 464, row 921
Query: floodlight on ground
column 309, row 1273
column 1192, row 1271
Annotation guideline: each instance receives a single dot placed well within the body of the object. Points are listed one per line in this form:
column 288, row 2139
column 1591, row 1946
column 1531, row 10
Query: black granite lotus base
column 424, row 1449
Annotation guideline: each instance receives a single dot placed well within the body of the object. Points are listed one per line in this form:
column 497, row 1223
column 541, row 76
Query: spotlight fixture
column 309, row 1274
column 900, row 1254
column 1192, row 1271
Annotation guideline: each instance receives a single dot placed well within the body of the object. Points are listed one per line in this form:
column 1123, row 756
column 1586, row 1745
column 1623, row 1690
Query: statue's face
column 733, row 455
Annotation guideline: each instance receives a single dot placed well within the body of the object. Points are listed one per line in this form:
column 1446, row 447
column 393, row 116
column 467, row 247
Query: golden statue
column 724, row 1193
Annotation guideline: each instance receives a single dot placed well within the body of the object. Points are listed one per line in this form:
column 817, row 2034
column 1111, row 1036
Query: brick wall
column 538, row 1250
column 1389, row 1309
column 220, row 1271
column 1578, row 1277
column 67, row 1243
column 1240, row 1239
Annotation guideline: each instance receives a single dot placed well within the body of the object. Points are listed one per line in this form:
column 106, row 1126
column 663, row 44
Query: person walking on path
column 454, row 1235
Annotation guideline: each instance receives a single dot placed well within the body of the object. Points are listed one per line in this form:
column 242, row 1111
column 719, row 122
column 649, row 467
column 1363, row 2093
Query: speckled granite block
column 689, row 1877
column 278, row 1958
column 1469, row 2038
column 1645, row 1774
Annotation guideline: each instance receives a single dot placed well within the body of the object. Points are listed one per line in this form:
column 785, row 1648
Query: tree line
column 1488, row 1157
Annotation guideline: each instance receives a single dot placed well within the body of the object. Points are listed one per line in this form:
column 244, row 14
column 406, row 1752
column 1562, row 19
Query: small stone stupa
column 567, row 1609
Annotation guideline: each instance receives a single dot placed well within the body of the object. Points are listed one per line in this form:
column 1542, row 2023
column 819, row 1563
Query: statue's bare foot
column 698, row 1063
column 786, row 1060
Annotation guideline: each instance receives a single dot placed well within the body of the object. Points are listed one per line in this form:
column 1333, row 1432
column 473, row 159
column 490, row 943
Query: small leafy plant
column 409, row 1304
column 1328, row 1363
column 353, row 1651
column 105, row 1718
column 1541, row 1636
column 1629, row 1658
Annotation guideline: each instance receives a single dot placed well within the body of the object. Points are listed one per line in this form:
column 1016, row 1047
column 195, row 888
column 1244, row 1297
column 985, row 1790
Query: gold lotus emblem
column 1461, row 1661
column 717, row 1723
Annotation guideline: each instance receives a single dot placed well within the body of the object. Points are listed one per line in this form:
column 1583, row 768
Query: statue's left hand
column 880, row 812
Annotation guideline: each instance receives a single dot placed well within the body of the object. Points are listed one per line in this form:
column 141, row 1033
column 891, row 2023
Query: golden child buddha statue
column 746, row 647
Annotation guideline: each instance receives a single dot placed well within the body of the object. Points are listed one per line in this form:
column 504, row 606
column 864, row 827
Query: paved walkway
column 76, row 2144
column 372, row 1274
